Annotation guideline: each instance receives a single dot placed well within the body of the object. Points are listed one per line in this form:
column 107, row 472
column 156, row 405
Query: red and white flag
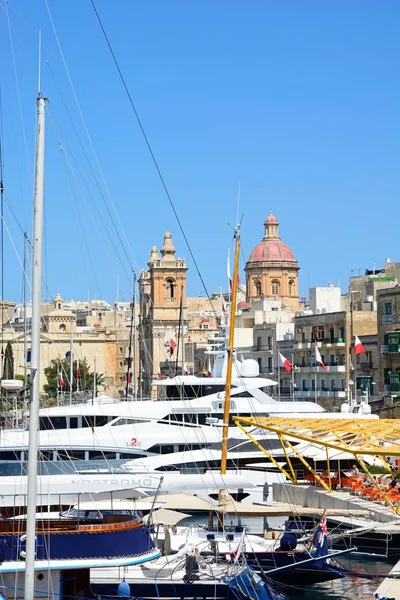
column 185, row 369
column 209, row 368
column 60, row 381
column 284, row 362
column 159, row 376
column 358, row 346
column 172, row 346
column 318, row 359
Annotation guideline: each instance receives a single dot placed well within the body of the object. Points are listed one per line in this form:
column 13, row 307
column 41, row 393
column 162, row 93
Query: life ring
column 133, row 442
column 21, row 541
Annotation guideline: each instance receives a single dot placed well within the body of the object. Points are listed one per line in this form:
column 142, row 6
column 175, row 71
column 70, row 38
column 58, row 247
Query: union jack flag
column 323, row 529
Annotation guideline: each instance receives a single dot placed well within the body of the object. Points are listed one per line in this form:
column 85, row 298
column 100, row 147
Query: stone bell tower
column 162, row 287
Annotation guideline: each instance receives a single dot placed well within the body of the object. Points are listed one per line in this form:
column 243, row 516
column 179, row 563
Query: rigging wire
column 93, row 150
column 2, row 231
column 150, row 149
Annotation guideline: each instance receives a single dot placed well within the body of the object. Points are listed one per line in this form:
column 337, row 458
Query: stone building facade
column 388, row 301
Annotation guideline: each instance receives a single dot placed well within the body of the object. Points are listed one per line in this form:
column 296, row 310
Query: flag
column 236, row 553
column 284, row 362
column 159, row 376
column 129, row 377
column 209, row 368
column 320, row 541
column 318, row 358
column 223, row 304
column 77, row 373
column 60, row 381
column 185, row 369
column 172, row 347
column 358, row 346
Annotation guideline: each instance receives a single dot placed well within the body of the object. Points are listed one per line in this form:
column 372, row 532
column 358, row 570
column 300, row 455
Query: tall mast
column 134, row 339
column 128, row 366
column 230, row 353
column 182, row 333
column 35, row 351
column 25, row 326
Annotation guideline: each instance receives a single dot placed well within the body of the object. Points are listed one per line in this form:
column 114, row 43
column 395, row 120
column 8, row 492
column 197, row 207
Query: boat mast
column 35, row 351
column 230, row 353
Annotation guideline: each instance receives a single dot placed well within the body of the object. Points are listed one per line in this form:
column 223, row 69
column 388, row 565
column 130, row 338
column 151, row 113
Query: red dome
column 243, row 305
column 273, row 250
column 271, row 220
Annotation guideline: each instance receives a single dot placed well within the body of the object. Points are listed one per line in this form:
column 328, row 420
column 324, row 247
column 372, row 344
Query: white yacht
column 180, row 433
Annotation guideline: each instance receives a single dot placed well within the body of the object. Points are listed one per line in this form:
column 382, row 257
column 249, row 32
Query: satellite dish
column 12, row 385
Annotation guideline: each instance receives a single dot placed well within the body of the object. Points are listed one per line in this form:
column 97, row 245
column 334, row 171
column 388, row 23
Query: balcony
column 310, row 394
column 325, row 343
column 329, row 369
column 392, row 349
column 386, row 319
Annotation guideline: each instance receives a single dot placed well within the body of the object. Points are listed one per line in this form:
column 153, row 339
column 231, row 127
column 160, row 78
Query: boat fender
column 191, row 568
column 21, row 542
column 124, row 590
column 2, row 595
column 288, row 542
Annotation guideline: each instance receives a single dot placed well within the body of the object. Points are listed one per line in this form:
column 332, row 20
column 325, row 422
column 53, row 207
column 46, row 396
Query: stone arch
column 62, row 328
column 170, row 289
column 257, row 283
column 292, row 287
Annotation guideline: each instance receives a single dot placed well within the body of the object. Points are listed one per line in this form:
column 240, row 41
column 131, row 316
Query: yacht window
column 123, row 455
column 124, row 421
column 54, row 423
column 73, row 423
column 175, row 417
column 167, row 449
column 100, row 420
column 244, row 394
column 46, row 455
column 10, row 455
column 88, row 421
column 202, row 419
column 96, row 455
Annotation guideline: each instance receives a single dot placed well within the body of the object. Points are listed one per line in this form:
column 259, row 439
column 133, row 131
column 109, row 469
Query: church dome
column 271, row 248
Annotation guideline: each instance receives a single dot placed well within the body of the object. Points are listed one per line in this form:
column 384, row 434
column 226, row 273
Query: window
column 333, row 360
column 169, row 289
column 258, row 288
column 304, row 385
column 313, row 385
column 318, row 333
column 323, row 385
column 303, row 361
column 275, row 288
column 28, row 355
column 269, row 364
column 258, row 343
column 68, row 355
column 59, row 306
column 73, row 423
column 388, row 308
column 291, row 287
column 333, row 384
column 259, row 360
column 62, row 328
column 269, row 343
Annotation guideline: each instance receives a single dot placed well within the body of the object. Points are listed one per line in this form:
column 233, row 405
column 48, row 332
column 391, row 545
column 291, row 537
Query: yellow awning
column 378, row 437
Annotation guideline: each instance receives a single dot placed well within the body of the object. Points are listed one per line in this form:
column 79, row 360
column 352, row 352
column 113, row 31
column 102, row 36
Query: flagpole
column 292, row 378
column 278, row 369
column 315, row 374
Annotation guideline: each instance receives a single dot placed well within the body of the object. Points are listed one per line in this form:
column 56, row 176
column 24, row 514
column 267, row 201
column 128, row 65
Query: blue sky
column 296, row 101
